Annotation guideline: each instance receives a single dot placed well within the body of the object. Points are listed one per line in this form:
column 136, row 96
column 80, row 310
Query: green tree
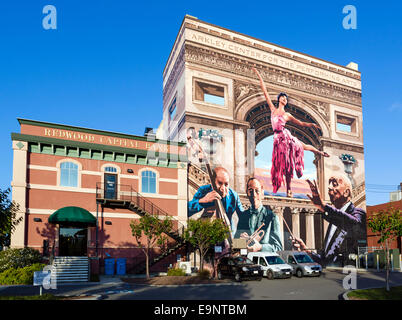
column 148, row 231
column 388, row 225
column 203, row 233
column 8, row 217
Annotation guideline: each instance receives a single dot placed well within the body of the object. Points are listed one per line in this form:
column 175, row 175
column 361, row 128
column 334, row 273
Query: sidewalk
column 363, row 270
column 66, row 289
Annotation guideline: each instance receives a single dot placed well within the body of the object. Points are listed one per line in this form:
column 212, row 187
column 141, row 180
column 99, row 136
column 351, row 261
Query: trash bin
column 109, row 266
column 121, row 266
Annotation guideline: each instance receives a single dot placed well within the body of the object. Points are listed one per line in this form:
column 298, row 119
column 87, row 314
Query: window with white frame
column 172, row 110
column 111, row 169
column 148, row 181
column 68, row 174
column 209, row 93
column 346, row 124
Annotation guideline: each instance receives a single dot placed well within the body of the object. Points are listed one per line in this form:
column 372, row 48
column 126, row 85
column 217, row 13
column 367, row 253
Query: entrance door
column 110, row 186
column 73, row 241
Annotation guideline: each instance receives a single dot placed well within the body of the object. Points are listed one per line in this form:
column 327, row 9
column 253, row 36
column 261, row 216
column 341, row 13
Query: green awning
column 72, row 215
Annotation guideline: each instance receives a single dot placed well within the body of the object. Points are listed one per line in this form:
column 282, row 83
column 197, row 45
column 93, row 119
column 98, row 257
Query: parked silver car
column 302, row 263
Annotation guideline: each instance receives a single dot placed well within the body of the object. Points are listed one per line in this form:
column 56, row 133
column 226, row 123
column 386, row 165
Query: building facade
column 209, row 87
column 57, row 166
column 372, row 238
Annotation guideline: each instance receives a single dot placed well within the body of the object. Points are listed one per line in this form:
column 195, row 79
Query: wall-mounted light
column 130, row 170
column 108, row 223
column 37, row 219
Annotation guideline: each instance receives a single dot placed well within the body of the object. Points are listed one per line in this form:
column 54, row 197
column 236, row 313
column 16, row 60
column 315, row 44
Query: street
column 327, row 287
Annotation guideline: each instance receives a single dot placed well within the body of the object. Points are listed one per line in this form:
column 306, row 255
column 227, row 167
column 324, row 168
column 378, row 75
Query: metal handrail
column 127, row 193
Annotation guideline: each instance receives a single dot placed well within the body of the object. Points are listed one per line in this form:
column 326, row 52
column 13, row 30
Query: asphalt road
column 327, row 287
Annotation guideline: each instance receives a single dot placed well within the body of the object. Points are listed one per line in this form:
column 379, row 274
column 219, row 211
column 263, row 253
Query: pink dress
column 287, row 154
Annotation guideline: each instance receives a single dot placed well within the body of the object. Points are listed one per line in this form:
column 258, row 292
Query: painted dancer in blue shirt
column 205, row 196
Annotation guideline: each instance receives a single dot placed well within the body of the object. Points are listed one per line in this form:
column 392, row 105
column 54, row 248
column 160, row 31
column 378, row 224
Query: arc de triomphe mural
column 208, row 85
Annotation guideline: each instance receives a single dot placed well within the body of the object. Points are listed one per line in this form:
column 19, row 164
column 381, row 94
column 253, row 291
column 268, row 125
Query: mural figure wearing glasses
column 347, row 224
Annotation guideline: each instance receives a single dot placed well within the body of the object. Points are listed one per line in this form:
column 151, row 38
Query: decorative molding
column 172, row 79
column 321, row 107
column 342, row 146
column 244, row 90
column 359, row 192
column 271, row 75
column 271, row 48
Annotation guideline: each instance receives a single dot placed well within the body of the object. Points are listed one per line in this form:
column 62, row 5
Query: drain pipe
column 96, row 245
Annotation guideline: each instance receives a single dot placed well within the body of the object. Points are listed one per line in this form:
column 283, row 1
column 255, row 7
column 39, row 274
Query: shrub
column 20, row 275
column 18, row 258
column 176, row 272
column 204, row 274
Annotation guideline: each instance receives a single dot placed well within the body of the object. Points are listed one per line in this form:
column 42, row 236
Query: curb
column 345, row 295
column 190, row 285
column 363, row 270
column 94, row 296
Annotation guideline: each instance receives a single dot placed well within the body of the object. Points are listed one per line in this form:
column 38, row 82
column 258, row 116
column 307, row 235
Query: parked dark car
column 241, row 268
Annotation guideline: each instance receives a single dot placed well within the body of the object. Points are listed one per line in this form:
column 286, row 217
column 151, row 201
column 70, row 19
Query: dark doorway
column 73, row 241
column 110, row 186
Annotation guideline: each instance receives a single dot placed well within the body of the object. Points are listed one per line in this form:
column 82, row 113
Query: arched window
column 68, row 174
column 148, row 182
column 111, row 169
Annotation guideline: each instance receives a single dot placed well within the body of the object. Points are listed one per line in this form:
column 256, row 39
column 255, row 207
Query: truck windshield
column 243, row 260
column 274, row 260
column 303, row 258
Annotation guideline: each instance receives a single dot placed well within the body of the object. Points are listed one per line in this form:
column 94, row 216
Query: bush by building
column 204, row 274
column 176, row 272
column 18, row 258
column 24, row 275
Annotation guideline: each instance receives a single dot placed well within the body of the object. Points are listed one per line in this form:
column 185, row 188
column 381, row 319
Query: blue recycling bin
column 121, row 266
column 109, row 266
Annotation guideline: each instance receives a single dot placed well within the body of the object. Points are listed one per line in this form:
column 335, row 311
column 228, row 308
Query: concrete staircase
column 70, row 269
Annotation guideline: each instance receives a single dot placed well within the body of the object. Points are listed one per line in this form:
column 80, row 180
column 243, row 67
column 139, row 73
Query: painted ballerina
column 288, row 151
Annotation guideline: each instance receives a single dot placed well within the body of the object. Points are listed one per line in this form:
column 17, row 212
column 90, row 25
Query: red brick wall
column 372, row 239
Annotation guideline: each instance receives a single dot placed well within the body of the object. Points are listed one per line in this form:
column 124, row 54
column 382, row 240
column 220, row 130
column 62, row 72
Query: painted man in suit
column 257, row 215
column 347, row 224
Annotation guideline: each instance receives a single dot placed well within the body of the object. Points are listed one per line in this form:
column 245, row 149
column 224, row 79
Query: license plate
column 255, row 271
column 287, row 272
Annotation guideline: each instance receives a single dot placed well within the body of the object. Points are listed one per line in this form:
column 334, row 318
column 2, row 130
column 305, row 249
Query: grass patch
column 45, row 296
column 395, row 293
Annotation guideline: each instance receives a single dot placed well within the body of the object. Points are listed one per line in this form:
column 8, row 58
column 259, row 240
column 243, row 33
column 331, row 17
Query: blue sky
column 102, row 67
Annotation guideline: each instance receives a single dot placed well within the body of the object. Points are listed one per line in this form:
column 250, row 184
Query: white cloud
column 395, row 106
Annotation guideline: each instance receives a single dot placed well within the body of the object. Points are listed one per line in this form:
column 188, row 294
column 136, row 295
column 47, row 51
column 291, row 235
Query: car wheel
column 299, row 273
column 270, row 275
column 237, row 277
column 220, row 276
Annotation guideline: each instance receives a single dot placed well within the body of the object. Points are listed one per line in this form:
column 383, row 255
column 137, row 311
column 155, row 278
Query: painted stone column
column 310, row 237
column 182, row 193
column 279, row 212
column 19, row 187
column 296, row 222
column 239, row 161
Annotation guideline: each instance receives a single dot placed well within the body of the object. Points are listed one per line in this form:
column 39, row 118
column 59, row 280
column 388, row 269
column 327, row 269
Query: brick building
column 111, row 178
column 372, row 239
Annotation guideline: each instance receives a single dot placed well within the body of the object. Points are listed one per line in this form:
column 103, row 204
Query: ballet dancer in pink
column 288, row 151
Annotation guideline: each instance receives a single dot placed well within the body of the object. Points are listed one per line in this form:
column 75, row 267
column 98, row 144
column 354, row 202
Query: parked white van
column 272, row 264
